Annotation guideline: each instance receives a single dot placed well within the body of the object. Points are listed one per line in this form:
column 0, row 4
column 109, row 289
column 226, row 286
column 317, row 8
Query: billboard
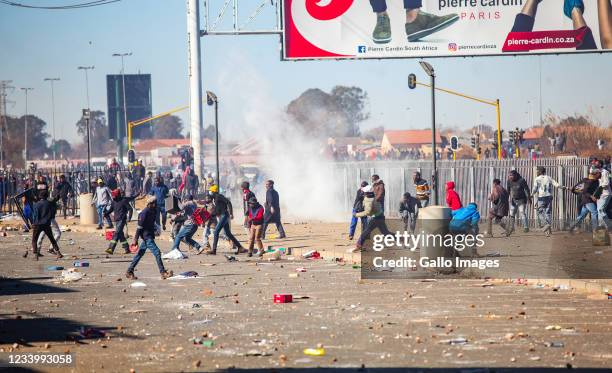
column 138, row 102
column 336, row 29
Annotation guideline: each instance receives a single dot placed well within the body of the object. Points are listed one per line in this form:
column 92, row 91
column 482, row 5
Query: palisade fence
column 473, row 180
column 79, row 184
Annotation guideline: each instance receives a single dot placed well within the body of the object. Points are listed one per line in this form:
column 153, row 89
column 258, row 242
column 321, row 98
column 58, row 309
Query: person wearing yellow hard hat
column 102, row 199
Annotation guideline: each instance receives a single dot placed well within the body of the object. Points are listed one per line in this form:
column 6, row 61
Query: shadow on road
column 21, row 286
column 415, row 369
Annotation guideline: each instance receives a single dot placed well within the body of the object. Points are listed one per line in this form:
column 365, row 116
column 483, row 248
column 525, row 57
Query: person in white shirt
column 604, row 198
column 542, row 187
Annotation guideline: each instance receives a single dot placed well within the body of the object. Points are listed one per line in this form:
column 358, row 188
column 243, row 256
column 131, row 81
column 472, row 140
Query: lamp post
column 211, row 99
column 87, row 117
column 125, row 121
column 52, row 80
column 25, row 118
column 429, row 70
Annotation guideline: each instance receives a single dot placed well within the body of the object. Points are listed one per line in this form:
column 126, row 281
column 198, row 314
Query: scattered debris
column 554, row 344
column 312, row 254
column 283, row 298
column 55, row 268
column 71, row 275
column 80, row 264
column 138, row 284
column 553, row 327
column 91, row 333
column 314, row 351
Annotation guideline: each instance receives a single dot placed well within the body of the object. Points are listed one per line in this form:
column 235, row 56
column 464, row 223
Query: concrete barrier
column 89, row 215
column 435, row 220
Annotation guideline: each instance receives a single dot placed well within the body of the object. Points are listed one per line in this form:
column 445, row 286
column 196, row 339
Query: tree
column 209, row 133
column 352, row 101
column 374, row 134
column 168, row 127
column 99, row 131
column 335, row 114
column 63, row 149
column 14, row 139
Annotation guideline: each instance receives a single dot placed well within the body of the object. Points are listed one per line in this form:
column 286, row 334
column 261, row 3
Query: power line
column 88, row 4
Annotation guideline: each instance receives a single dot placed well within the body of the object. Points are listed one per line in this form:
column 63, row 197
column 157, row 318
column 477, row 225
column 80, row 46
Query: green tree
column 335, row 114
column 63, row 149
column 99, row 131
column 14, row 139
column 353, row 101
column 168, row 127
column 209, row 133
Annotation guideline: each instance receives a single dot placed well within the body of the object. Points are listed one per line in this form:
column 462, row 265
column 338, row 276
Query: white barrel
column 434, row 220
column 88, row 215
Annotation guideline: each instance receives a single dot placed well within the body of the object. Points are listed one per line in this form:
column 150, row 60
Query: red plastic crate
column 283, row 298
column 109, row 235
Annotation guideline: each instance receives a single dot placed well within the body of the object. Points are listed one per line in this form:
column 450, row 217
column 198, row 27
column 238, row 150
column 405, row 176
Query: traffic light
column 131, row 156
column 512, row 137
column 479, row 150
column 473, row 142
column 454, row 141
column 412, row 82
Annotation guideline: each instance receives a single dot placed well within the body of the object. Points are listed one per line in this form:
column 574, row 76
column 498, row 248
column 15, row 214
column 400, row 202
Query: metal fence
column 15, row 180
column 473, row 180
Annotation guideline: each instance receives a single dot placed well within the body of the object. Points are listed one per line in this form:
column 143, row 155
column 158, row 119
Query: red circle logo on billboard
column 325, row 10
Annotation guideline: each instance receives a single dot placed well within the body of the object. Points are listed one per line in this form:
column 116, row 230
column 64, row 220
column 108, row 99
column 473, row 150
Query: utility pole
column 429, row 70
column 25, row 118
column 195, row 83
column 4, row 87
column 52, row 80
column 125, row 121
column 212, row 99
column 87, row 117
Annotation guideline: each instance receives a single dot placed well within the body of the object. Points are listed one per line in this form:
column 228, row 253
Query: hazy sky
column 38, row 44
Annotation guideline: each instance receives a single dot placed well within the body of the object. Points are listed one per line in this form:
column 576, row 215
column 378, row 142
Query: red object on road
column 283, row 298
column 109, row 235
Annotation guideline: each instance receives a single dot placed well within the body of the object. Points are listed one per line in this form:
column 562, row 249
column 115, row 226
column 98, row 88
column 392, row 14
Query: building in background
column 138, row 102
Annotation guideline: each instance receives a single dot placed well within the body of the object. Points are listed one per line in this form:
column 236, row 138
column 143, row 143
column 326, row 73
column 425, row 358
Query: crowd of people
column 189, row 207
column 506, row 203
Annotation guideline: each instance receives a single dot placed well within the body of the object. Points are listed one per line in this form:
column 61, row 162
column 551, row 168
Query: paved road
column 377, row 324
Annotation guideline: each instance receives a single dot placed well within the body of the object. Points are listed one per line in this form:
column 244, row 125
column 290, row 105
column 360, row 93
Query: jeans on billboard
column 379, row 6
column 524, row 23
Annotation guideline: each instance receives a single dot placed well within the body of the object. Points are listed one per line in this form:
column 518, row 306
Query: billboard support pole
column 195, row 82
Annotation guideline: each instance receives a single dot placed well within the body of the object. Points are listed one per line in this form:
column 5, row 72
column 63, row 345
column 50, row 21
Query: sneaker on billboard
column 569, row 5
column 426, row 24
column 382, row 31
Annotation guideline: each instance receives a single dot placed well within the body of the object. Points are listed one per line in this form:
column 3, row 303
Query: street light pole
column 211, row 99
column 52, row 80
column 25, row 118
column 125, row 121
column 87, row 116
column 430, row 71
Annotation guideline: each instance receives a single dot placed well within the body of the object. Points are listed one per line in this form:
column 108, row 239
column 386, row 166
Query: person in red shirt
column 255, row 223
column 452, row 198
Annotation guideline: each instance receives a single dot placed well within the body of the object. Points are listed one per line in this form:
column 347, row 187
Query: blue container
column 81, row 264
column 55, row 268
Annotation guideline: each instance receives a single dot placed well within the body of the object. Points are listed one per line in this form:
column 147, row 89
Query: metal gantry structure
column 241, row 26
column 270, row 8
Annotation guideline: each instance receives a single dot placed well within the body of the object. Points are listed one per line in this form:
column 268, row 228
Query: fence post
column 472, row 185
column 561, row 198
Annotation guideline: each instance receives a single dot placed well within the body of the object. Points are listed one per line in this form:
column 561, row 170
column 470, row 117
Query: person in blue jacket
column 160, row 191
column 465, row 220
